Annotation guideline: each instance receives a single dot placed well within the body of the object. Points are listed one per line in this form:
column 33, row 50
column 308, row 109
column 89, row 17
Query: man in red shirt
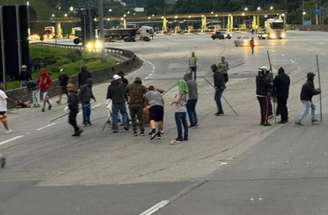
column 44, row 82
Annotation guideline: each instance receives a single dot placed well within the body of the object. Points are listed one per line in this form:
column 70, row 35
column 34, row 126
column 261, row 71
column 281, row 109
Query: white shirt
column 3, row 101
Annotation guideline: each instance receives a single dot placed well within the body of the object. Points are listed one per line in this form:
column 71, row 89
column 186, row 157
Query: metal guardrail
column 118, row 51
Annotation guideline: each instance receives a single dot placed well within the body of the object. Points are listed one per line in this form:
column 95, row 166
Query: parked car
column 221, row 35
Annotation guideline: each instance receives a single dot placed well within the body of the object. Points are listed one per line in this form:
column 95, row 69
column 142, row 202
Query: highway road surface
column 230, row 166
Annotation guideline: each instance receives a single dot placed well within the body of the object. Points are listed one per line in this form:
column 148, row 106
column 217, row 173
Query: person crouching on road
column 117, row 93
column 73, row 106
column 263, row 94
column 136, row 101
column 155, row 101
column 281, row 85
column 307, row 93
column 44, row 82
column 4, row 109
column 192, row 100
column 180, row 112
column 219, row 83
column 86, row 95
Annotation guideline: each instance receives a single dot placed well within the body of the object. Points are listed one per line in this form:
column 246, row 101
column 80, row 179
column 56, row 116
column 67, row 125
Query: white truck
column 275, row 29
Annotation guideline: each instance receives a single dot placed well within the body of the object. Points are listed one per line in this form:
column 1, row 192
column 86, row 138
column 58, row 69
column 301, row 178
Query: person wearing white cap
column 117, row 93
column 25, row 76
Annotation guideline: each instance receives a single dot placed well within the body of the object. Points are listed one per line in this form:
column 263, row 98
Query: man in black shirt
column 63, row 81
column 73, row 106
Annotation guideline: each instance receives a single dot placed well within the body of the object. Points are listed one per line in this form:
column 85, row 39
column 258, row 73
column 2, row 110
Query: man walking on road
column 219, row 84
column 136, row 101
column 307, row 93
column 263, row 89
column 73, row 106
column 252, row 45
column 117, row 93
column 86, row 95
column 281, row 85
column 83, row 76
column 63, row 81
column 193, row 64
column 4, row 109
column 192, row 100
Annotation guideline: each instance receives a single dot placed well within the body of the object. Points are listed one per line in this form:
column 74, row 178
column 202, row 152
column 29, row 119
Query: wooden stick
column 319, row 78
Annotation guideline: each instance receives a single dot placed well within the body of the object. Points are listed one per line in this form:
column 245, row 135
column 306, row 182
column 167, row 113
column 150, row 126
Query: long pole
column 319, row 77
column 274, row 103
column 101, row 25
column 3, row 49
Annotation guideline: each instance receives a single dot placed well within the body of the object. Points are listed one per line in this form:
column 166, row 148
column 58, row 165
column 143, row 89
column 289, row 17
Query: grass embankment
column 70, row 60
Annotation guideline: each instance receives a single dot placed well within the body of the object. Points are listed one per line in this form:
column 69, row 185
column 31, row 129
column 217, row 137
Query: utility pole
column 101, row 25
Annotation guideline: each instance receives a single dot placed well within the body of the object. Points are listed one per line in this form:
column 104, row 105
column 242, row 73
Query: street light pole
column 101, row 25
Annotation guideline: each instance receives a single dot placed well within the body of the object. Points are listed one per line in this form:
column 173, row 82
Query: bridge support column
column 124, row 23
column 59, row 30
column 164, row 26
column 230, row 23
column 254, row 23
column 204, row 24
column 258, row 21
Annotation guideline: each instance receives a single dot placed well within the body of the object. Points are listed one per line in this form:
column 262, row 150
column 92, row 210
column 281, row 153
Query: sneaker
column 142, row 133
column 135, row 133
column 185, row 139
column 42, row 109
column 78, row 133
column 126, row 128
column 315, row 121
column 58, row 102
column 49, row 108
column 152, row 132
column 9, row 131
column 176, row 141
column 154, row 135
column 267, row 125
column 298, row 123
column 219, row 114
column 115, row 131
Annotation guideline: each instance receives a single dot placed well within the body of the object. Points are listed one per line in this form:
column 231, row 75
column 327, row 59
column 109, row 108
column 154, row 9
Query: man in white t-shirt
column 3, row 110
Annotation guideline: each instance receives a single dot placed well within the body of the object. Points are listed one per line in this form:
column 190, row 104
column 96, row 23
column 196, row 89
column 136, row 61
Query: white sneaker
column 9, row 131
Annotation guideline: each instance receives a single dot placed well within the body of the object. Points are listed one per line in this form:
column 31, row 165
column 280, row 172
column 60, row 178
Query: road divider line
column 11, row 140
column 292, row 61
column 47, row 126
column 155, row 208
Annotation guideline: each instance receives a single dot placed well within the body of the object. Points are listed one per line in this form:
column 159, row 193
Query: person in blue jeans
column 220, row 85
column 85, row 96
column 181, row 112
column 117, row 93
column 192, row 100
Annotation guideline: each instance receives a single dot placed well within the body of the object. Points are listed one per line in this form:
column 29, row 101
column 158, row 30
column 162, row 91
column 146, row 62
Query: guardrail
column 129, row 65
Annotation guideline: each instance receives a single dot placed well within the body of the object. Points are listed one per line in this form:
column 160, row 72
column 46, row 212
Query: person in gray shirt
column 155, row 103
column 192, row 99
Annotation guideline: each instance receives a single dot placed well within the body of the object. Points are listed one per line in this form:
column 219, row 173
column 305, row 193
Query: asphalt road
column 229, row 166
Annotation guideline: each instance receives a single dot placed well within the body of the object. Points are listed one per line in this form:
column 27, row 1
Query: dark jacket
column 83, row 77
column 281, row 85
column 86, row 94
column 73, row 102
column 308, row 91
column 263, row 85
column 117, row 92
column 63, row 80
column 136, row 94
column 219, row 80
column 25, row 75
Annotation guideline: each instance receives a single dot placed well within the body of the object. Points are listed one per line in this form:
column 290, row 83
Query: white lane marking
column 282, row 55
column 292, row 61
column 155, row 208
column 11, row 140
column 153, row 67
column 44, row 127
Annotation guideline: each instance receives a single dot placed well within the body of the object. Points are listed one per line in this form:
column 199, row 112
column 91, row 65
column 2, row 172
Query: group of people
column 268, row 88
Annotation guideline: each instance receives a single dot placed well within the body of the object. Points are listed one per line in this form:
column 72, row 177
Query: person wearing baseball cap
column 117, row 93
column 307, row 93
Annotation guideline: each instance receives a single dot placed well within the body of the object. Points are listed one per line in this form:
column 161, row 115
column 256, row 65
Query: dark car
column 221, row 35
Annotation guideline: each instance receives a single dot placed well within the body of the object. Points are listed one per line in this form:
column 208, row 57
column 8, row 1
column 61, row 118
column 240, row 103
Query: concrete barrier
column 101, row 76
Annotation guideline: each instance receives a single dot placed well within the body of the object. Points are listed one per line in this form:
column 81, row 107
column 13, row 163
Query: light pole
column 101, row 25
